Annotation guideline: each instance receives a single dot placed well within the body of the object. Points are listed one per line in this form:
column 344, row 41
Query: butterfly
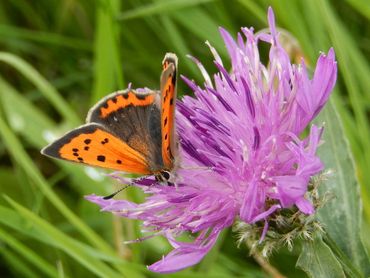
column 131, row 130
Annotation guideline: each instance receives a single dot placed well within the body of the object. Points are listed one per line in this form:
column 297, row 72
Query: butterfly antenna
column 197, row 167
column 115, row 193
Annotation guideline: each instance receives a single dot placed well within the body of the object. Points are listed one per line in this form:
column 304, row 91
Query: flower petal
column 290, row 188
column 183, row 257
column 305, row 206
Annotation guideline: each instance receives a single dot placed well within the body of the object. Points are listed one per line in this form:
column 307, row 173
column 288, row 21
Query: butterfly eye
column 165, row 175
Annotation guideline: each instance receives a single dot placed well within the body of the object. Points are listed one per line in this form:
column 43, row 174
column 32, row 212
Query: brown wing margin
column 168, row 102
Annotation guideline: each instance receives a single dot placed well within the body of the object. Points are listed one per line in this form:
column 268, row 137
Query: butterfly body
column 131, row 130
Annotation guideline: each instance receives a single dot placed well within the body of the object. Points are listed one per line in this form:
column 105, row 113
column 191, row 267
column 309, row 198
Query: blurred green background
column 59, row 57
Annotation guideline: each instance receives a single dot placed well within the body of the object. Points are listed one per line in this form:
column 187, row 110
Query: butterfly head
column 163, row 176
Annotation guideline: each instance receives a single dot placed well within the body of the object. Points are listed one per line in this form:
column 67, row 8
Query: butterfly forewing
column 168, row 101
column 92, row 144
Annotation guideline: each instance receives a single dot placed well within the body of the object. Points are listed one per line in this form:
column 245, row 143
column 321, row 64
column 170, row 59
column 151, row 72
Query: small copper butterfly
column 131, row 131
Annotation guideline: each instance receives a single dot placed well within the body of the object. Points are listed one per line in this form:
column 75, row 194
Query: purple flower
column 245, row 125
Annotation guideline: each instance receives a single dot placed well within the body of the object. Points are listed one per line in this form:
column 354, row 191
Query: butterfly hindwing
column 93, row 145
column 117, row 101
column 168, row 102
column 134, row 117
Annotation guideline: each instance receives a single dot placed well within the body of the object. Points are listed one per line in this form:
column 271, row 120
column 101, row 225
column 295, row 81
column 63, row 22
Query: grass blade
column 95, row 266
column 9, row 31
column 159, row 7
column 15, row 265
column 107, row 69
column 37, row 133
column 28, row 254
column 43, row 85
column 25, row 162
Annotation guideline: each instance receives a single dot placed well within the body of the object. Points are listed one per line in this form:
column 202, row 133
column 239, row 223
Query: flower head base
column 245, row 125
column 286, row 224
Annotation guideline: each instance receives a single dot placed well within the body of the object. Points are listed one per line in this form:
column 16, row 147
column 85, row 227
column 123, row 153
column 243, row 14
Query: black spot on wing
column 105, row 141
column 54, row 148
column 101, row 158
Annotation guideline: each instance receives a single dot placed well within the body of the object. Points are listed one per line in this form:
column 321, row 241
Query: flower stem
column 118, row 239
column 268, row 268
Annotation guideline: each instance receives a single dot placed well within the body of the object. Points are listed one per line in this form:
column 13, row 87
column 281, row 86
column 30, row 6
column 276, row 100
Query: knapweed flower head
column 242, row 157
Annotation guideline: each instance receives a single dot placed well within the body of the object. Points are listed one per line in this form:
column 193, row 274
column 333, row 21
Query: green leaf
column 253, row 7
column 107, row 69
column 66, row 244
column 159, row 8
column 361, row 6
column 354, row 71
column 14, row 220
column 341, row 216
column 70, row 245
column 28, row 254
column 179, row 43
column 37, row 131
column 348, row 267
column 43, row 37
column 317, row 260
column 16, row 265
column 42, row 84
column 26, row 163
column 192, row 18
column 19, row 118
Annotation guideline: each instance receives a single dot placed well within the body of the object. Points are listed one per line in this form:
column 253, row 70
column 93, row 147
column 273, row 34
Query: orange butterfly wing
column 168, row 102
column 93, row 145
